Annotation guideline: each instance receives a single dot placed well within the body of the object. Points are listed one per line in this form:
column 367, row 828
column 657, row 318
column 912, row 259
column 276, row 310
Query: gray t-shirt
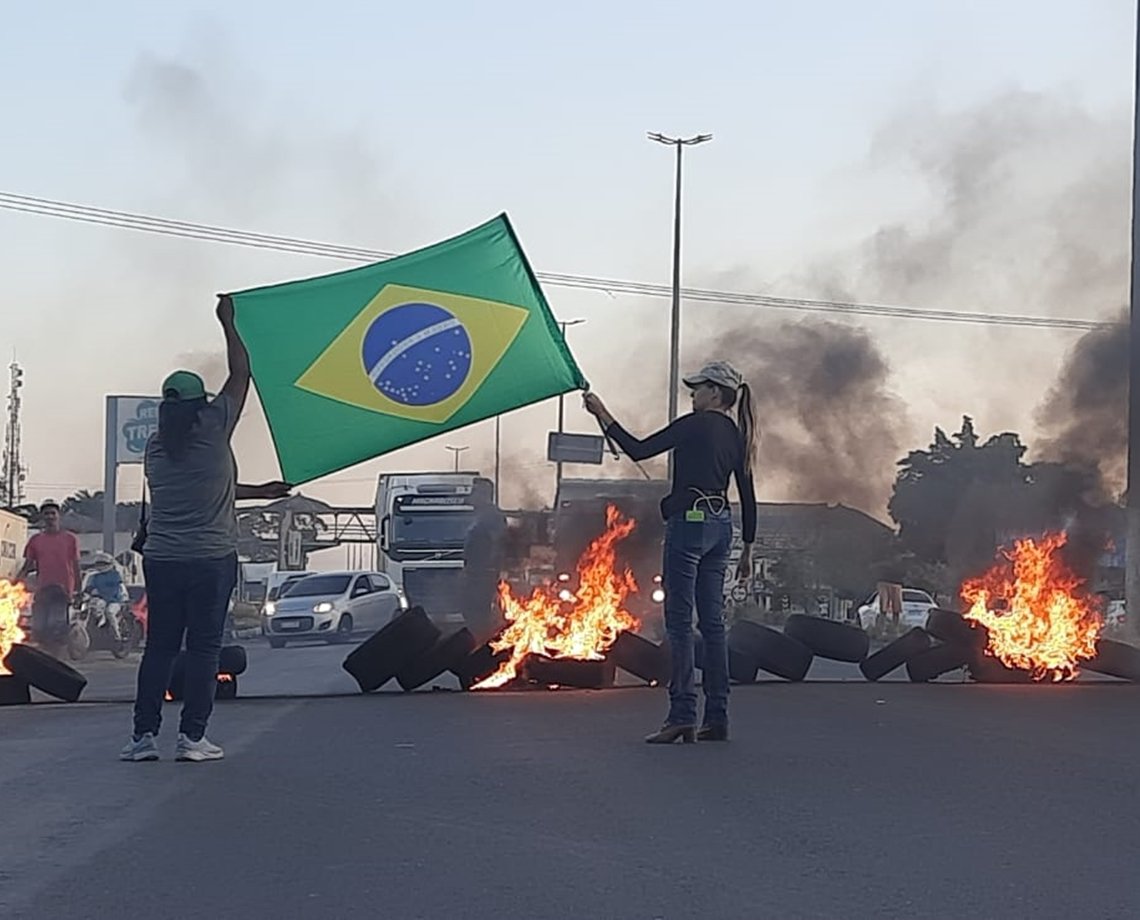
column 192, row 500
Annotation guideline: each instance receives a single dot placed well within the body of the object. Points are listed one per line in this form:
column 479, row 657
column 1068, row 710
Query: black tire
column 479, row 665
column 52, row 676
column 770, row 649
column 446, row 654
column 569, row 672
column 277, row 643
column 950, row 626
column 226, row 689
column 741, row 668
column 344, row 628
column 177, row 678
column 375, row 662
column 1116, row 659
column 640, row 657
column 894, row 655
column 14, row 690
column 233, row 660
column 936, row 661
column 985, row 669
column 829, row 638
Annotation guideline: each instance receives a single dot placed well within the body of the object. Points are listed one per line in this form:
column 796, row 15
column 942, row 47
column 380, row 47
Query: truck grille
column 438, row 591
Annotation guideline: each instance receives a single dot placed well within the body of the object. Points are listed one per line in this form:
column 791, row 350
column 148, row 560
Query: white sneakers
column 197, row 751
column 142, row 749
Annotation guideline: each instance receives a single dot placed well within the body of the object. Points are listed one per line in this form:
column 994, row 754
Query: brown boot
column 670, row 733
column 713, row 733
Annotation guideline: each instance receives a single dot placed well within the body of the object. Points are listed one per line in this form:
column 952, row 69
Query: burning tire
column 479, row 665
column 770, row 649
column 829, row 638
column 1116, row 659
column 570, row 672
column 13, row 690
column 985, row 669
column 936, row 661
column 641, row 658
column 446, row 654
column 905, row 647
column 950, row 626
column 232, row 660
column 376, row 661
column 226, row 683
column 52, row 676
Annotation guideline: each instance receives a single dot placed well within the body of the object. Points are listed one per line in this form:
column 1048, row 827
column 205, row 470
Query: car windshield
column 282, row 589
column 318, row 586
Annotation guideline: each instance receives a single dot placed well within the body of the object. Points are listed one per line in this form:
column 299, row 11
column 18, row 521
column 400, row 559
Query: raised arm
column 637, row 448
column 236, row 387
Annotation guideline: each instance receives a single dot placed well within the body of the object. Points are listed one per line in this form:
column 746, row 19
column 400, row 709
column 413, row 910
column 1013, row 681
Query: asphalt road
column 833, row 800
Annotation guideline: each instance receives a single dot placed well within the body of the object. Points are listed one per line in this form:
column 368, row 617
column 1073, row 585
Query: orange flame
column 1039, row 617
column 14, row 599
column 558, row 623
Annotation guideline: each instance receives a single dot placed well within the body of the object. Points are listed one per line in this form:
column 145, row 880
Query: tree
column 961, row 498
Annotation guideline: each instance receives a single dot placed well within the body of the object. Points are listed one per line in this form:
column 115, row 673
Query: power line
column 127, row 220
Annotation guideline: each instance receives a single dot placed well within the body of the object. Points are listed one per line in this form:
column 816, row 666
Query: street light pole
column 1132, row 513
column 498, row 431
column 679, row 143
column 457, row 451
column 563, row 325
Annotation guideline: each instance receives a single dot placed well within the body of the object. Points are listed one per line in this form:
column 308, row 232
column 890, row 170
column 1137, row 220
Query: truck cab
column 422, row 524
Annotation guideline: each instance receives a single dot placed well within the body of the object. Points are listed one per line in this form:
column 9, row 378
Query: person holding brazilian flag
column 348, row 366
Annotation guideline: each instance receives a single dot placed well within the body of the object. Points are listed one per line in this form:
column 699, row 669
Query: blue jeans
column 696, row 556
column 185, row 598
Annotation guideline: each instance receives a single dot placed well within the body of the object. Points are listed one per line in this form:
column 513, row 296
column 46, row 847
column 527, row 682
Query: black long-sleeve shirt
column 707, row 449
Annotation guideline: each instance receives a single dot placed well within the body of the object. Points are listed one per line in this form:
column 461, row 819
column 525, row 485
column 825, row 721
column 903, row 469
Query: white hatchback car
column 916, row 607
column 332, row 606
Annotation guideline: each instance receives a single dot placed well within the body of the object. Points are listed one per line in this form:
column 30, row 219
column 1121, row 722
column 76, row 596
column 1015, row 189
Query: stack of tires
column 753, row 648
column 412, row 651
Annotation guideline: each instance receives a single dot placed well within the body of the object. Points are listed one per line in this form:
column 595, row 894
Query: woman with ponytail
column 708, row 448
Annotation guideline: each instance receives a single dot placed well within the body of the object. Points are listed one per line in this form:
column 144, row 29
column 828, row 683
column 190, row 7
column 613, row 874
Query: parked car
column 333, row 606
column 916, row 606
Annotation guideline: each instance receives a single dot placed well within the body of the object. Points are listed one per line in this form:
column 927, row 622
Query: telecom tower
column 12, row 488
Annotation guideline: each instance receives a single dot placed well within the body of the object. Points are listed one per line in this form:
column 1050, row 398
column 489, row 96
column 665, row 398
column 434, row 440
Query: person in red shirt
column 53, row 554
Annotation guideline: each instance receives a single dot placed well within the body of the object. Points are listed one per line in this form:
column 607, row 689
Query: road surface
column 833, row 801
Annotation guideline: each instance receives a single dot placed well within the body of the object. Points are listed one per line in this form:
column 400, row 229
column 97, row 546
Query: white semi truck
column 422, row 523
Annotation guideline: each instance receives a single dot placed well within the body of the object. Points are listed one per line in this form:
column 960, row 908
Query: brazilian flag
column 355, row 364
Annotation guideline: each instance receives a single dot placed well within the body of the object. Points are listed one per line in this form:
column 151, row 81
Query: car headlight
column 269, row 609
column 323, row 607
column 566, row 595
column 403, row 601
column 658, row 595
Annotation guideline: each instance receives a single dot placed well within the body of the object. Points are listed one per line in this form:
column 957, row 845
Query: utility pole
column 679, row 143
column 563, row 325
column 457, row 451
column 14, row 473
column 1132, row 548
column 498, row 432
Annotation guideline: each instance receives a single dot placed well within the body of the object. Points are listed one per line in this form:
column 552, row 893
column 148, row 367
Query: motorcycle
column 111, row 625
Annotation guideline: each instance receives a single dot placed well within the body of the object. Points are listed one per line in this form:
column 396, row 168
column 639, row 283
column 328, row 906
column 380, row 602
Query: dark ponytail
column 176, row 422
column 746, row 422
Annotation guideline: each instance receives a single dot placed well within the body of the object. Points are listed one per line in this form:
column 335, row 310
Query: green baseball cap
column 183, row 386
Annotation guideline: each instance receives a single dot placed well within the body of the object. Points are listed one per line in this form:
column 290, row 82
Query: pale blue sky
column 392, row 125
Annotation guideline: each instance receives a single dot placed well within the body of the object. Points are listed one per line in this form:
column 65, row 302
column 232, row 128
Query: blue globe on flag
column 416, row 354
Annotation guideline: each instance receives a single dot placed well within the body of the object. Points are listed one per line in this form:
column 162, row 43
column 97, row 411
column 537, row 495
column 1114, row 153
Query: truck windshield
column 431, row 529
